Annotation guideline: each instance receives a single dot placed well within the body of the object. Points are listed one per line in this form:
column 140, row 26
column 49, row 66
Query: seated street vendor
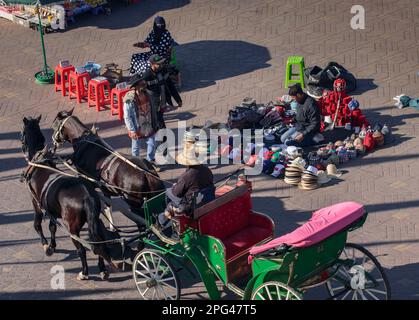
column 308, row 118
column 194, row 187
column 159, row 41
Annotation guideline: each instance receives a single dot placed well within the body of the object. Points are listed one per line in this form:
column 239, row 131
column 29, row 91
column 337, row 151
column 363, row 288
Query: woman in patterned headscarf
column 159, row 41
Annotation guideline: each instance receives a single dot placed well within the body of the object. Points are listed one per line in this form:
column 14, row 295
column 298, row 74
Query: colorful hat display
column 333, row 159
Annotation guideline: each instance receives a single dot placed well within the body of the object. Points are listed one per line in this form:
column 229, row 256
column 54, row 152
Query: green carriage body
column 297, row 268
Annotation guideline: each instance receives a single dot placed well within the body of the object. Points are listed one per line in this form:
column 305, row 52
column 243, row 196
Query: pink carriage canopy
column 323, row 223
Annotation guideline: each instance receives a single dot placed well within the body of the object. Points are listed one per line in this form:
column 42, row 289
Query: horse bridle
column 57, row 135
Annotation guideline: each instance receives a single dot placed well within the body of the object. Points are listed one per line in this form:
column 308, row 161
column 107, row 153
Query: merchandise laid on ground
column 55, row 15
column 315, row 165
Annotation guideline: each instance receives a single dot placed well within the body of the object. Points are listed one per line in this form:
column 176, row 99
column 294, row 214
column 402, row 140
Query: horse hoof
column 82, row 277
column 104, row 275
column 48, row 250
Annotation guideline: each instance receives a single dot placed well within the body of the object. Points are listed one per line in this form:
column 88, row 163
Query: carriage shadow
column 205, row 62
column 127, row 16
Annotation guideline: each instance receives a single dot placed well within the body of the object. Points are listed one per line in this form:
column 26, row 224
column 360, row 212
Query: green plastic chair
column 294, row 60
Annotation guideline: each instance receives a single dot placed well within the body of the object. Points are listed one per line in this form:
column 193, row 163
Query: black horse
column 93, row 157
column 69, row 198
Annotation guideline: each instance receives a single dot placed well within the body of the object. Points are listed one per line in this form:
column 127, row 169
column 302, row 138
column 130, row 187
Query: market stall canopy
column 29, row 2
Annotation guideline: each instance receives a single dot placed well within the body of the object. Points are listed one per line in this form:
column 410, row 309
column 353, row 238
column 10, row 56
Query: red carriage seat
column 323, row 224
column 234, row 223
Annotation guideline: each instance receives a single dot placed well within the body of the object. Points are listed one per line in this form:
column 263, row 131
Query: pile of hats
column 309, row 179
column 294, row 171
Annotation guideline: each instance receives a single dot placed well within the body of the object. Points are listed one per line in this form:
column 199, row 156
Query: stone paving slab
column 229, row 49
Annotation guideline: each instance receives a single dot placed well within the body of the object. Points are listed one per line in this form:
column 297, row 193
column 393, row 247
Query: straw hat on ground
column 323, row 177
column 333, row 171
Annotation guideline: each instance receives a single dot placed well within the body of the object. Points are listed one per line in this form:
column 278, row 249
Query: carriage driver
column 194, row 187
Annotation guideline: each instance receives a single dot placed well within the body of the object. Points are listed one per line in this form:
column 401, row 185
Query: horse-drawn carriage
column 227, row 240
column 224, row 239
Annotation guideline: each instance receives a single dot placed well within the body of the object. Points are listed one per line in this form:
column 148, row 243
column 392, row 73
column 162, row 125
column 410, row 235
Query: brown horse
column 93, row 157
column 71, row 199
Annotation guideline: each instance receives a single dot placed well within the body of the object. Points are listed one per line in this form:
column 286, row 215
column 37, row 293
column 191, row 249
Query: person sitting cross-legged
column 308, row 118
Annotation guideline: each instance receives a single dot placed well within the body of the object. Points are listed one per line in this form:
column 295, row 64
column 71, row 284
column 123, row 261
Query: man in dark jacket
column 160, row 88
column 193, row 188
column 308, row 118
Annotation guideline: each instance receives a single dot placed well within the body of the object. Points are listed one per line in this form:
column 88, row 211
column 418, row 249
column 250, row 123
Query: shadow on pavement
column 205, row 62
column 127, row 16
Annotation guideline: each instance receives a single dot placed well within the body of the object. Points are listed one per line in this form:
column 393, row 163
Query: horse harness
column 42, row 201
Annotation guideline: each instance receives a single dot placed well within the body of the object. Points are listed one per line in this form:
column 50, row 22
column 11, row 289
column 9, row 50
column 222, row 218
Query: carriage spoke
column 278, row 293
column 346, row 294
column 154, row 265
column 144, row 267
column 362, row 294
column 372, row 295
column 164, row 293
column 260, row 296
column 168, row 285
column 355, row 295
column 165, row 271
column 158, row 266
column 141, row 282
column 145, row 291
column 167, row 279
column 142, row 274
column 148, row 267
column 377, row 291
column 338, row 288
column 269, row 294
column 288, row 294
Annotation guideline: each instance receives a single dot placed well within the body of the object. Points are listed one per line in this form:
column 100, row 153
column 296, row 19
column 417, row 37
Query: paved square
column 229, row 49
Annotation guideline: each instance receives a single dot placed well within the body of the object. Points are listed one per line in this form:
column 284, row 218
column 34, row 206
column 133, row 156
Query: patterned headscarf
column 159, row 28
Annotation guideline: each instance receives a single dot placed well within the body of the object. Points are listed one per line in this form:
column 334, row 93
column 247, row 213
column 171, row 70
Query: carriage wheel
column 362, row 278
column 155, row 277
column 273, row 290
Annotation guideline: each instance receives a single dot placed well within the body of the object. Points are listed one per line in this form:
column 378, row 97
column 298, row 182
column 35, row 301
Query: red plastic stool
column 97, row 94
column 62, row 76
column 117, row 106
column 78, row 85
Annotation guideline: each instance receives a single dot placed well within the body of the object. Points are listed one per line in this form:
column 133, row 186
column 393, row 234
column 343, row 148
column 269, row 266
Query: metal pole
column 42, row 40
column 46, row 75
